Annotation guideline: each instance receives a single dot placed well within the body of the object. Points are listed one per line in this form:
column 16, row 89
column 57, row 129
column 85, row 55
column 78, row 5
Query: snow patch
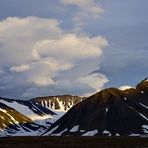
column 62, row 108
column 23, row 131
column 106, row 110
column 4, row 111
column 106, row 132
column 143, row 116
column 142, row 92
column 59, row 134
column 144, row 105
column 75, row 128
column 125, row 98
column 145, row 129
column 57, row 116
column 52, row 130
column 117, row 134
column 25, row 110
column 134, row 135
column 91, row 133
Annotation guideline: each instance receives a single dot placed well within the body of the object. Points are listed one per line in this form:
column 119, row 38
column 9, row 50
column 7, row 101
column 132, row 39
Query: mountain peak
column 108, row 112
column 107, row 95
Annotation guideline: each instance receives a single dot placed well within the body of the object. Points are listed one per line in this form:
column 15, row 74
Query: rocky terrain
column 33, row 117
column 110, row 112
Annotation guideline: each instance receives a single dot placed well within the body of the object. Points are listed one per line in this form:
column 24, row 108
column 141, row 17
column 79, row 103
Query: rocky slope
column 61, row 102
column 14, row 123
column 110, row 112
column 58, row 104
column 33, row 117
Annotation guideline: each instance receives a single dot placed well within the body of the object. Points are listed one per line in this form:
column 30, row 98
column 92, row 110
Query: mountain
column 58, row 104
column 14, row 123
column 33, row 117
column 110, row 112
column 18, row 117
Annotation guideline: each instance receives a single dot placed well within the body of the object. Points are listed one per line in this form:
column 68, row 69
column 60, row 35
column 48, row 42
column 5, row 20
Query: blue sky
column 77, row 47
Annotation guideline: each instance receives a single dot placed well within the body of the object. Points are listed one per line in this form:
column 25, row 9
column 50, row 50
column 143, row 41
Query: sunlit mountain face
column 33, row 117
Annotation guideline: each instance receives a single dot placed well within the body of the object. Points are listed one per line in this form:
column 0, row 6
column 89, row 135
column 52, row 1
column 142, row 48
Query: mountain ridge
column 36, row 115
column 108, row 112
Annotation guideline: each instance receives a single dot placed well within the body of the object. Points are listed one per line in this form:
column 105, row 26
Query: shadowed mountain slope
column 108, row 112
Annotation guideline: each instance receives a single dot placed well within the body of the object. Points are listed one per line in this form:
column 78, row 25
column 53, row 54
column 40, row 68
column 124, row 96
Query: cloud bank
column 34, row 51
column 87, row 9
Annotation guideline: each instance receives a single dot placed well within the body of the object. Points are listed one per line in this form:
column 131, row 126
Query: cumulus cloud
column 87, row 9
column 19, row 68
column 71, row 47
column 34, row 51
column 95, row 81
column 18, row 35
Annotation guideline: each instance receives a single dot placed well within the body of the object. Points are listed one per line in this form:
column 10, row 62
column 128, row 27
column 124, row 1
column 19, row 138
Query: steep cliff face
column 108, row 112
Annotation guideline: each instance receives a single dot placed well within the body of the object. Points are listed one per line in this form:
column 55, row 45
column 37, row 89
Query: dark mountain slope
column 108, row 112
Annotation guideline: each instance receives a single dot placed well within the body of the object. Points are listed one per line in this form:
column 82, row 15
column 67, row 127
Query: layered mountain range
column 19, row 117
column 110, row 112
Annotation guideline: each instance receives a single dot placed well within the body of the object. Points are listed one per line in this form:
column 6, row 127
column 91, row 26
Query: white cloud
column 91, row 7
column 18, row 36
column 88, row 9
column 19, row 68
column 41, row 73
column 95, row 81
column 35, row 51
column 43, row 81
column 71, row 47
column 80, row 3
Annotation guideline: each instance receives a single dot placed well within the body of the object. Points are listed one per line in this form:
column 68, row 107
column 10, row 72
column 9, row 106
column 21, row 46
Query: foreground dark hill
column 108, row 112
